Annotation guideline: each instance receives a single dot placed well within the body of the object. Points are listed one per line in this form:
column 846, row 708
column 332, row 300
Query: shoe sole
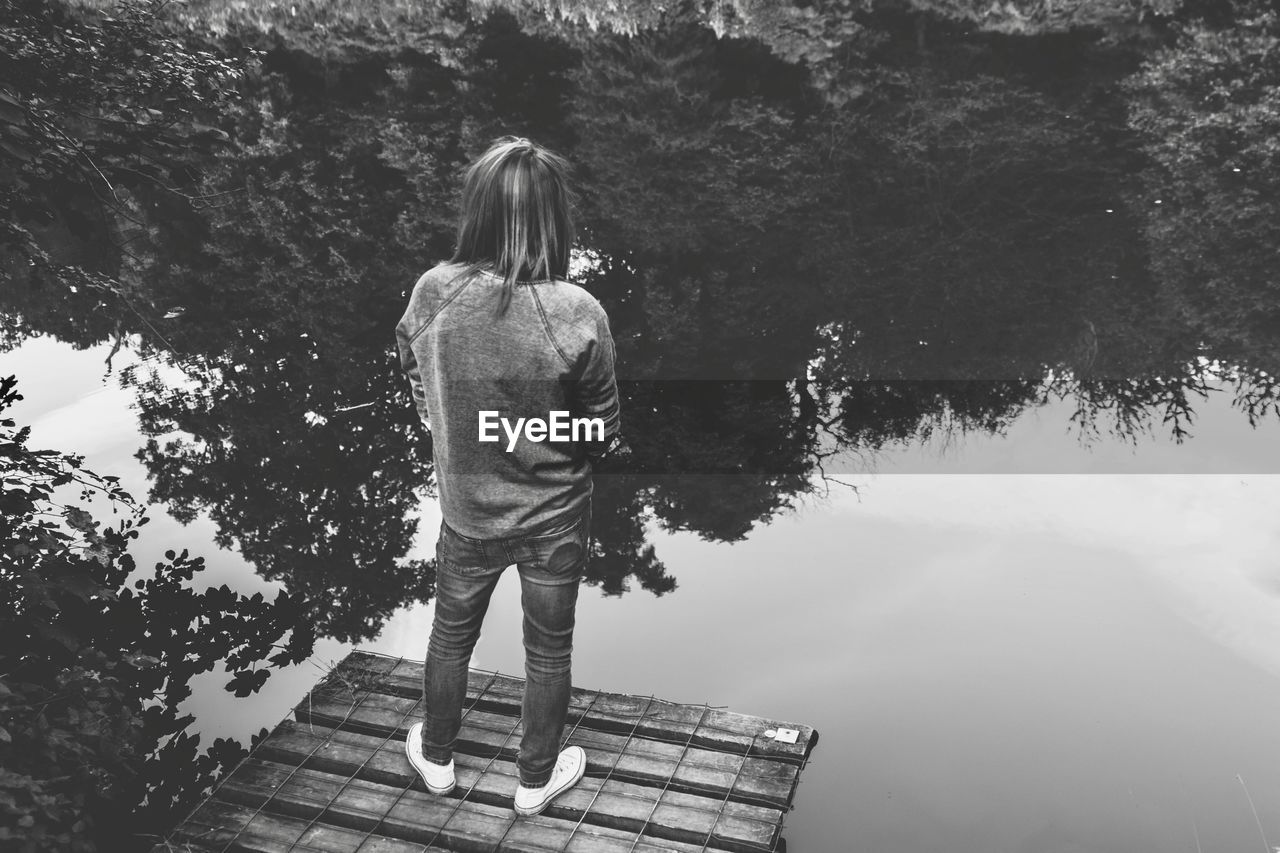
column 438, row 790
column 423, row 777
column 530, row 812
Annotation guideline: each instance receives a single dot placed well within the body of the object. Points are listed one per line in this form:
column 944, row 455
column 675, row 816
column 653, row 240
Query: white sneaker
column 439, row 777
column 570, row 766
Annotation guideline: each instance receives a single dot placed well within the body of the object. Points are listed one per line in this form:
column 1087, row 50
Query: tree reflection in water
column 821, row 230
column 816, row 233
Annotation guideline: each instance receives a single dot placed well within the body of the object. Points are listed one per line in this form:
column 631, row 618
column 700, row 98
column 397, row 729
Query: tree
column 97, row 654
column 1207, row 109
column 1038, row 17
column 294, row 431
column 102, row 118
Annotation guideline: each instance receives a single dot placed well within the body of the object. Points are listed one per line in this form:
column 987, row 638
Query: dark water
column 1002, row 285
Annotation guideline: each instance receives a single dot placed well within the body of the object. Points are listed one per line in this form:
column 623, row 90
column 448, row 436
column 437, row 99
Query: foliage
column 1208, row 111
column 327, row 26
column 1036, row 17
column 987, row 219
column 818, row 227
column 304, row 265
column 102, row 117
column 955, row 219
column 97, row 655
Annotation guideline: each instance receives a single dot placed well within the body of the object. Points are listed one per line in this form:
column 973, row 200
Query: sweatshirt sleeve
column 596, row 391
column 409, row 362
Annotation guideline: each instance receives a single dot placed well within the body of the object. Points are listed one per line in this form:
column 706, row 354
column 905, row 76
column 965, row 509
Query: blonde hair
column 516, row 214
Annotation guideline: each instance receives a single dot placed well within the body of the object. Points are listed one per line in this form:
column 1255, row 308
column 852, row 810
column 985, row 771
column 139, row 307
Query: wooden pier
column 661, row 776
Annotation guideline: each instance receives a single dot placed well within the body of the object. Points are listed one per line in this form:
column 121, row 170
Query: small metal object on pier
column 661, row 776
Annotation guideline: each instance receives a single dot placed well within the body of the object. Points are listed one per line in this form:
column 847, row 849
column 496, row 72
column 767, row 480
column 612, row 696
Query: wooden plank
column 696, row 770
column 359, row 805
column 704, row 770
column 722, row 730
column 449, row 823
column 670, row 815
column 660, row 777
column 640, row 760
column 218, row 826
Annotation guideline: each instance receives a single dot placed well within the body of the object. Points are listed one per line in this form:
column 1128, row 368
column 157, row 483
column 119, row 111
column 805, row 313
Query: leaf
column 247, row 681
column 80, row 585
column 60, row 635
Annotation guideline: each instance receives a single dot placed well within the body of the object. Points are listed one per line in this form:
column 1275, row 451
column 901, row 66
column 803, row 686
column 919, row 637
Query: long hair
column 516, row 216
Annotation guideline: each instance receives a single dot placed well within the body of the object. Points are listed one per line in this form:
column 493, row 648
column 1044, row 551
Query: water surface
column 951, row 387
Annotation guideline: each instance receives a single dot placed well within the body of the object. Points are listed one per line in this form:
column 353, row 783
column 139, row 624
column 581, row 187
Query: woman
column 496, row 335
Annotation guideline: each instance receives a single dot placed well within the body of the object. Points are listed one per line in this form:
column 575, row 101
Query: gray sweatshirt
column 470, row 366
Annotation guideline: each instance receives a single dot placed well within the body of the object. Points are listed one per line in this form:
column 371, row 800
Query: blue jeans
column 551, row 565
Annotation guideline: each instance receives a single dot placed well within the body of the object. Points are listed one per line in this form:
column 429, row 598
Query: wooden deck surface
column 661, row 776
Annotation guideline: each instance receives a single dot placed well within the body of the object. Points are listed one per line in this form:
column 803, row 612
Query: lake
column 951, row 385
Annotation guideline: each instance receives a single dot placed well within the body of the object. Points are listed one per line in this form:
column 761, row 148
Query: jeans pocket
column 457, row 553
column 564, row 553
